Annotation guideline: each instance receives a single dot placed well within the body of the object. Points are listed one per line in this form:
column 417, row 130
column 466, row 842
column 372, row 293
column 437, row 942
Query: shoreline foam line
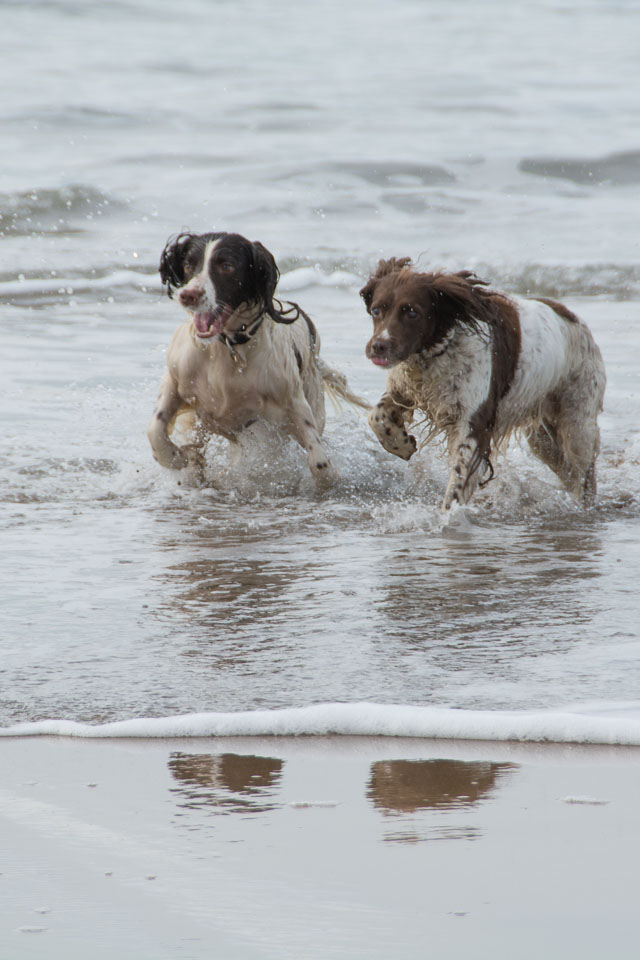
column 366, row 719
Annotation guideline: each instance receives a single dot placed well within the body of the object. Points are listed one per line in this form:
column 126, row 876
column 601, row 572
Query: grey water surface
column 499, row 137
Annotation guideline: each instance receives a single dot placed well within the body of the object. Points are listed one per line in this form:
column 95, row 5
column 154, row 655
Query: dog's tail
column 337, row 388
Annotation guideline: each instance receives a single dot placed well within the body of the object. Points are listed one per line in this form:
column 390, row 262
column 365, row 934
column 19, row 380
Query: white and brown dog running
column 241, row 356
column 480, row 365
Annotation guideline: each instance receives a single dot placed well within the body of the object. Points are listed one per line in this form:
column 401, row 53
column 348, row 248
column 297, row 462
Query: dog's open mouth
column 210, row 322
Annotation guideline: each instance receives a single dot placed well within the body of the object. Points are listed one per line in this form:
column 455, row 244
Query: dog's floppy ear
column 458, row 298
column 368, row 291
column 266, row 273
column 266, row 280
column 382, row 270
column 172, row 261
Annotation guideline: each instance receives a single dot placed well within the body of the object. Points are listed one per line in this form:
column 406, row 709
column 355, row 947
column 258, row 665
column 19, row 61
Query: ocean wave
column 64, row 287
column 52, row 210
column 615, row 169
column 34, row 287
column 80, row 115
column 378, row 173
column 300, row 278
column 599, row 725
column 616, row 281
column 383, row 173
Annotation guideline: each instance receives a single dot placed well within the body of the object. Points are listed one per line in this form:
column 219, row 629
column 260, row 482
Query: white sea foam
column 303, row 277
column 70, row 285
column 559, row 281
column 586, row 801
column 597, row 726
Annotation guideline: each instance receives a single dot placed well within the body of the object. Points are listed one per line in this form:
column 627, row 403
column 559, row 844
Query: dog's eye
column 410, row 313
column 375, row 311
column 227, row 267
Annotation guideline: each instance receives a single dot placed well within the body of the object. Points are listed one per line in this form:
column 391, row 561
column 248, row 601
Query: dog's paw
column 378, row 418
column 325, row 475
column 405, row 446
column 388, row 427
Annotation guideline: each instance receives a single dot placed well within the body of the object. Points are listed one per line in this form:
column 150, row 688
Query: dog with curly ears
column 241, row 355
column 480, row 365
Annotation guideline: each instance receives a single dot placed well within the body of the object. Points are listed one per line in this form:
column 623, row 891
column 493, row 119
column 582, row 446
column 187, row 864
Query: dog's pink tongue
column 208, row 323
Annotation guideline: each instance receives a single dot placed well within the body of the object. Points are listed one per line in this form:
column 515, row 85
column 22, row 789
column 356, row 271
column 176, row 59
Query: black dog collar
column 243, row 334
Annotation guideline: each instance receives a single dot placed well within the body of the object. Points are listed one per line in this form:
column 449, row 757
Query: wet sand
column 316, row 848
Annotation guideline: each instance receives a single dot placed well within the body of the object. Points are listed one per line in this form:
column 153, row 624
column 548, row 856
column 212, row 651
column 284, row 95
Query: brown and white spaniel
column 241, row 356
column 480, row 365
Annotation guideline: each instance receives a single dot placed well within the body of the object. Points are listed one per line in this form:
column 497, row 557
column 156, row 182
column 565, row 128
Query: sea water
column 497, row 137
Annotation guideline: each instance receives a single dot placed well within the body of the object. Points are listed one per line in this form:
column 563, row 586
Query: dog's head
column 217, row 276
column 414, row 312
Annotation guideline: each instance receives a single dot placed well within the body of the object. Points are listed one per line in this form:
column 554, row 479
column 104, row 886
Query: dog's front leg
column 164, row 450
column 462, row 480
column 304, row 430
column 387, row 420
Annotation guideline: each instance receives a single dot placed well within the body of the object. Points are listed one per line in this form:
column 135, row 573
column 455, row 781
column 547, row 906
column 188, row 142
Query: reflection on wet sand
column 419, row 799
column 228, row 782
column 405, row 787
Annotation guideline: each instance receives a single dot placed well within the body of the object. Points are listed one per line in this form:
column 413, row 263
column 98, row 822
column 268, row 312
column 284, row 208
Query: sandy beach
column 341, row 847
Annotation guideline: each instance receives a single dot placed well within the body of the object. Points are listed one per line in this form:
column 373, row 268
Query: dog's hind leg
column 569, row 445
column 545, row 444
column 581, row 442
column 589, row 486
column 569, row 439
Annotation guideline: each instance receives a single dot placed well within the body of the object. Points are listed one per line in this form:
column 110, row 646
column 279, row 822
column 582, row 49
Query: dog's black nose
column 379, row 348
column 190, row 296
